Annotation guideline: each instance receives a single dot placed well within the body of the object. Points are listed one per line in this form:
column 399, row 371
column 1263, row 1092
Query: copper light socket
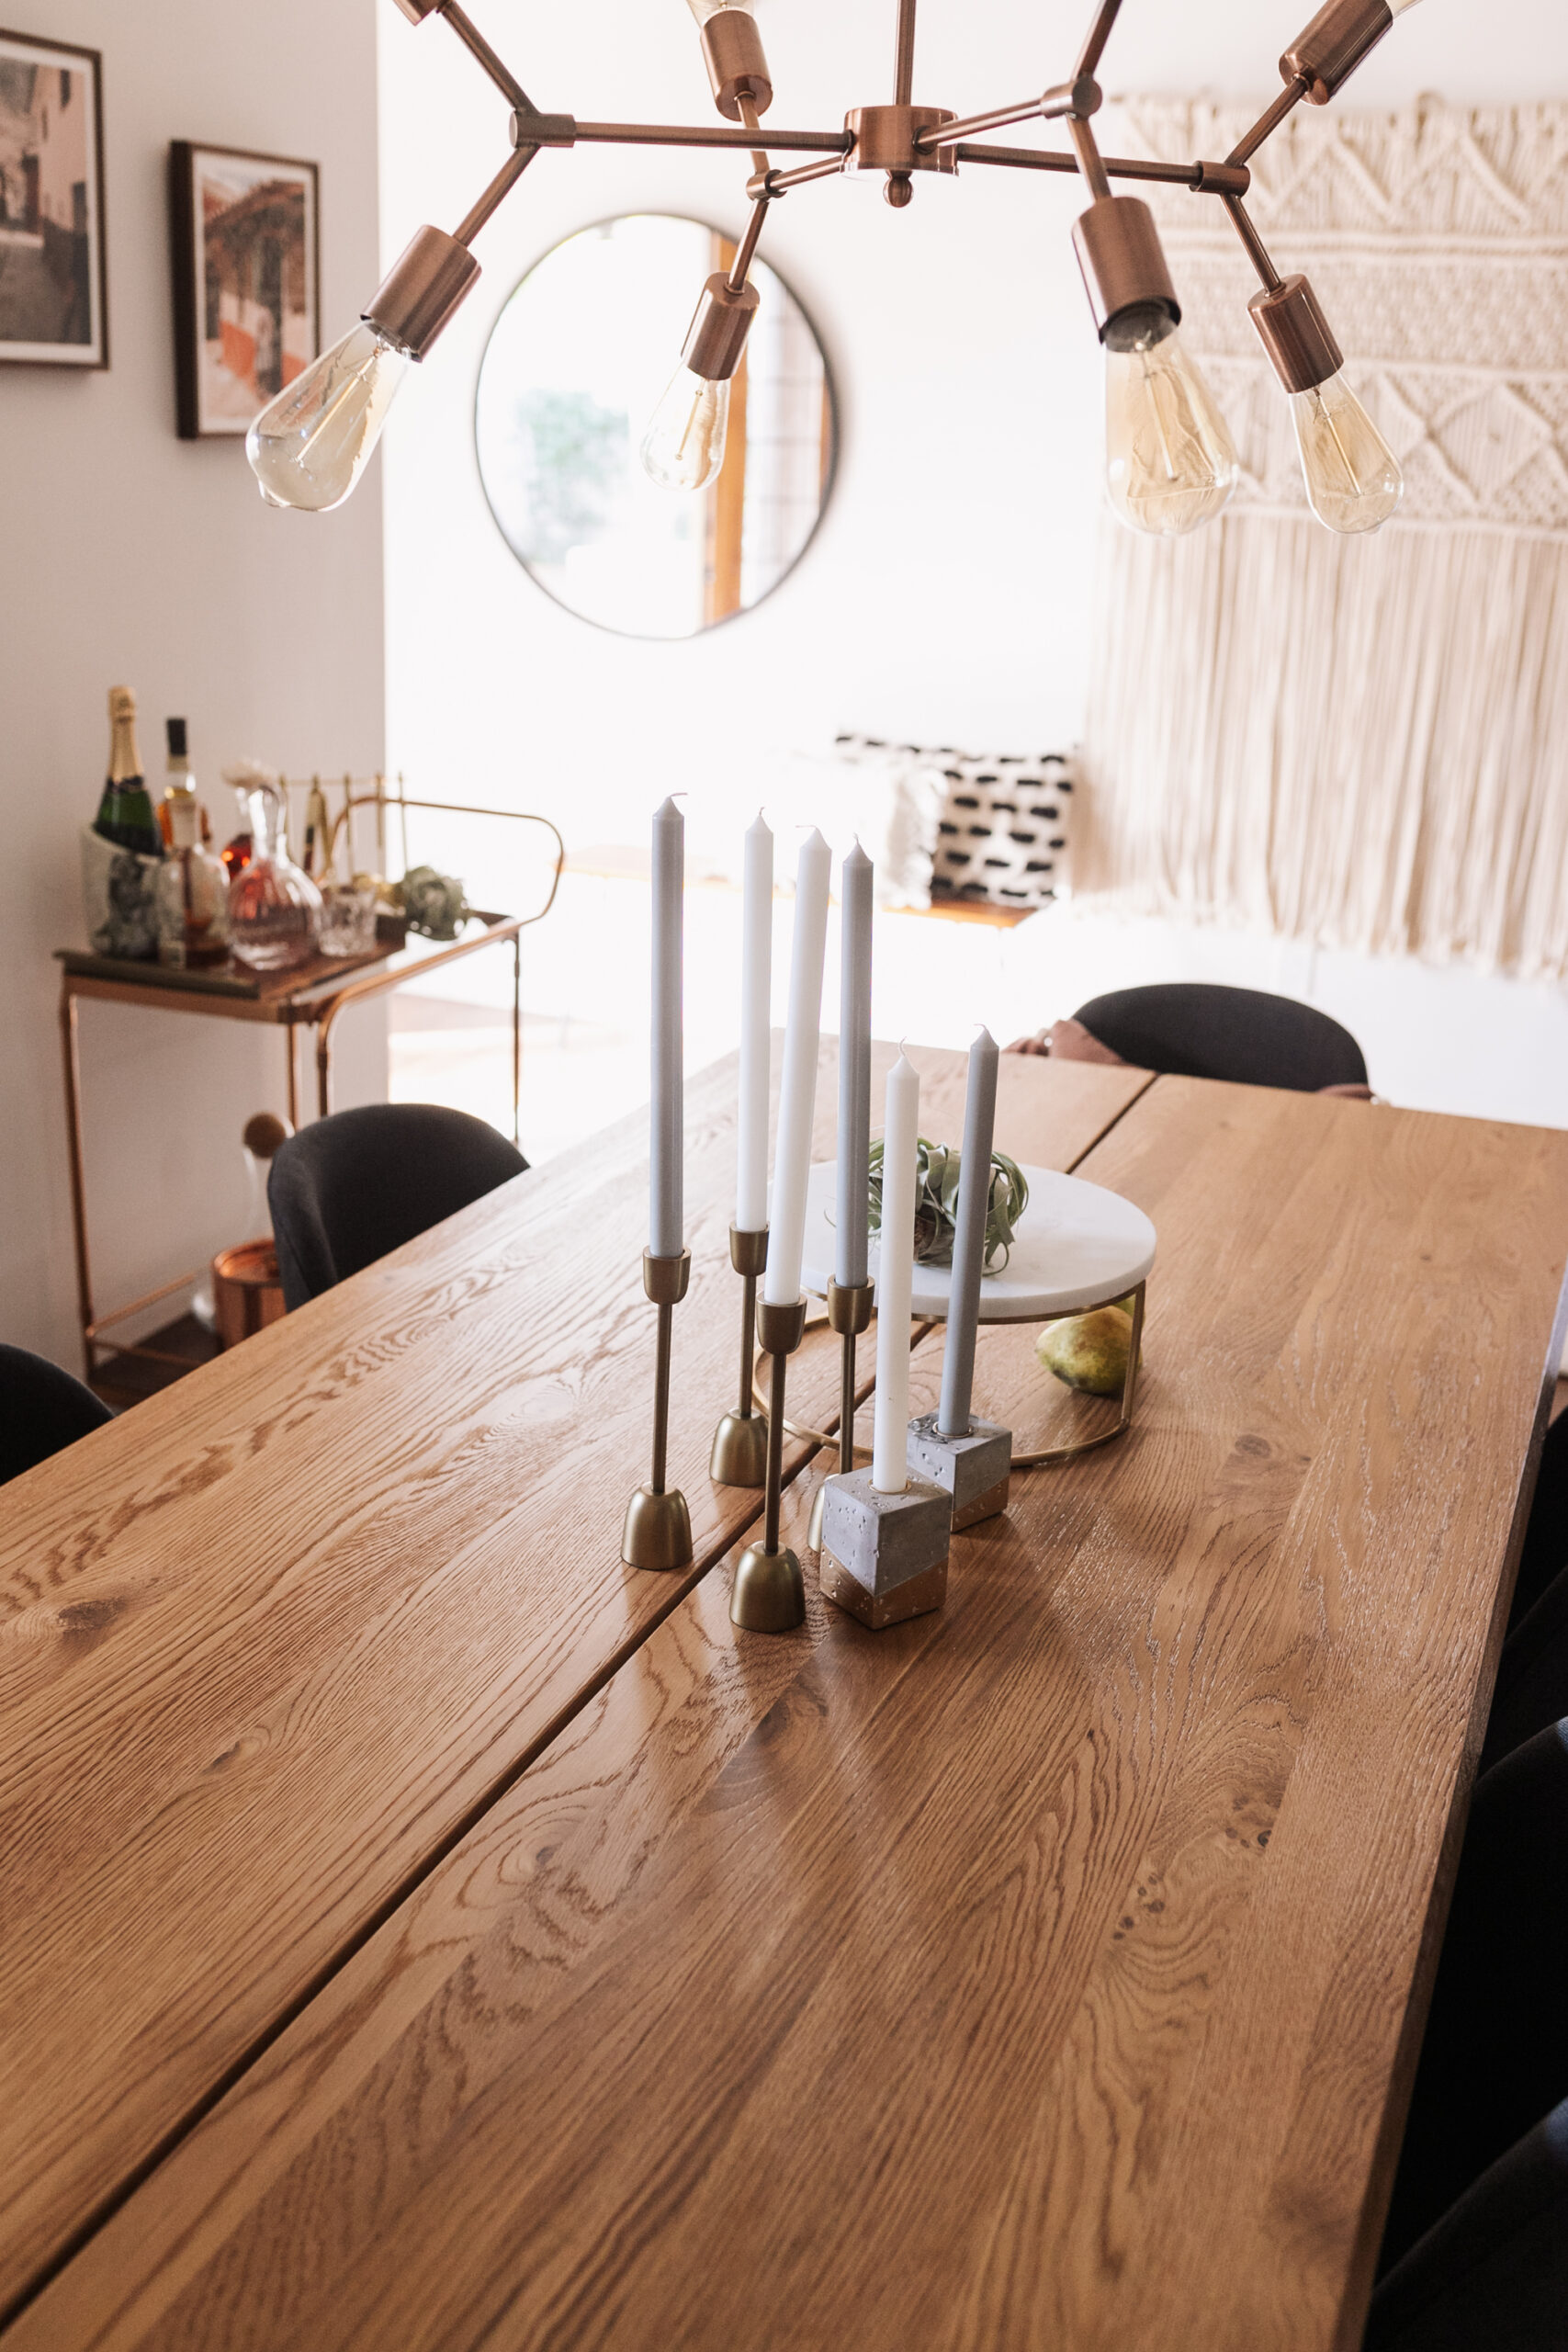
column 737, row 62
column 884, row 139
column 720, row 326
column 1334, row 44
column 416, row 11
column 1295, row 335
column 421, row 291
column 1122, row 262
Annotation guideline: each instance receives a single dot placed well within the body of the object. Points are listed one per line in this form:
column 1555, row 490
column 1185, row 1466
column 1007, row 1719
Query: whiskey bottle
column 192, row 891
column 125, row 811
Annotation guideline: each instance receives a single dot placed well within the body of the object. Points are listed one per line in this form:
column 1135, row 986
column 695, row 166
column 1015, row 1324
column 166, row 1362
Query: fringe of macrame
column 1358, row 742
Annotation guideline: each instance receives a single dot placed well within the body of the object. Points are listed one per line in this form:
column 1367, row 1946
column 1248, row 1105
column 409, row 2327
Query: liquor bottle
column 125, row 812
column 318, row 831
column 192, row 893
column 181, row 783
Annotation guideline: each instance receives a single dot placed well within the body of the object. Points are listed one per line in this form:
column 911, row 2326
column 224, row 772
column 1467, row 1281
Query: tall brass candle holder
column 740, row 1441
column 770, row 1591
column 849, row 1314
column 658, row 1526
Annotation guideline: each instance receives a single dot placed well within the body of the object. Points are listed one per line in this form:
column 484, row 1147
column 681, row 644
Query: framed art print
column 53, row 289
column 247, row 276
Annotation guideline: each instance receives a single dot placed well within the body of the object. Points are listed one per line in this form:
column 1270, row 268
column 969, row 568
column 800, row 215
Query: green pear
column 1089, row 1352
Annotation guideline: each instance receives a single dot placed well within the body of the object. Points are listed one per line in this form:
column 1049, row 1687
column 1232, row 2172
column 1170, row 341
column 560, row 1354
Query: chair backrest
column 1492, row 2275
column 1191, row 1029
column 348, row 1188
column 42, row 1409
column 1496, row 2055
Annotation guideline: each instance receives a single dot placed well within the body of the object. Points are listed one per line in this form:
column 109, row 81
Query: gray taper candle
column 667, row 1138
column 854, row 1070
column 969, row 1241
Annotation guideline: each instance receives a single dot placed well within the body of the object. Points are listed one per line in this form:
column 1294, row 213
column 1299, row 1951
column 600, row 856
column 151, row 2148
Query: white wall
column 131, row 557
column 945, row 598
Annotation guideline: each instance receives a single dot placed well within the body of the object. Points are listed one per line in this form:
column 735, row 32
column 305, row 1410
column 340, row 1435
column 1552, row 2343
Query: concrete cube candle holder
column 884, row 1556
column 975, row 1471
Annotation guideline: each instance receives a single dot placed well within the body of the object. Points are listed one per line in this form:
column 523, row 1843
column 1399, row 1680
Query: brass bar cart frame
column 314, row 1005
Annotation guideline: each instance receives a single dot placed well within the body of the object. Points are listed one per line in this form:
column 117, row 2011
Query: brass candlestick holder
column 770, row 1591
column 740, row 1441
column 849, row 1314
column 658, row 1532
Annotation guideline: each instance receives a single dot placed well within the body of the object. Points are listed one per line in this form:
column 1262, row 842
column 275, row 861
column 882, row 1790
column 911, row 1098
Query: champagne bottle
column 125, row 812
column 181, row 784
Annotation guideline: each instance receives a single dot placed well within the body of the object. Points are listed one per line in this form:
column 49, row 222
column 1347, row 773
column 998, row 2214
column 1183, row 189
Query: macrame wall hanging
column 1361, row 742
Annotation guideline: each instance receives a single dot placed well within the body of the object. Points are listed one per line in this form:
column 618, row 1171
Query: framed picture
column 53, row 289
column 247, row 279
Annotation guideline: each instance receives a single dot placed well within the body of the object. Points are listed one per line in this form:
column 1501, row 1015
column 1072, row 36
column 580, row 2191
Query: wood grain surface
column 1043, row 1973
column 272, row 1641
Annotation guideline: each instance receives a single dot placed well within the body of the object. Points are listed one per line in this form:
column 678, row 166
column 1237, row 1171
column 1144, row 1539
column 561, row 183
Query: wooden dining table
column 418, row 1929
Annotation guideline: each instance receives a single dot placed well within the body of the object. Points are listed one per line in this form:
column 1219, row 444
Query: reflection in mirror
column 575, row 367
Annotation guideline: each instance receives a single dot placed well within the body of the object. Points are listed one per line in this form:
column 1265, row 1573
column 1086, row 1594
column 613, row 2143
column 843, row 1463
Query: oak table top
column 272, row 1643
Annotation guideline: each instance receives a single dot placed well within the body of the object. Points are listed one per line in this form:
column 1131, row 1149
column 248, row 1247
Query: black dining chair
column 1193, row 1029
column 1494, row 2059
column 1492, row 2275
column 1545, row 1552
column 42, row 1410
column 353, row 1186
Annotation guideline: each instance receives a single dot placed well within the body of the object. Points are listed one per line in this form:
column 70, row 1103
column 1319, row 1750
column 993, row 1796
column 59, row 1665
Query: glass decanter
column 274, row 910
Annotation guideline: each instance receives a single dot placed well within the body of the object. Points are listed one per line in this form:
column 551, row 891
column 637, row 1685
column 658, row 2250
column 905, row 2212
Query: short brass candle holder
column 658, row 1526
column 740, row 1441
column 770, row 1591
column 849, row 1314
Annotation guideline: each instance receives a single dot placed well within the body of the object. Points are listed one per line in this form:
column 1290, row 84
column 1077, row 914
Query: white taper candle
column 667, row 1137
column 854, row 1069
column 894, row 1280
column 756, row 1006
column 797, row 1095
column 969, row 1241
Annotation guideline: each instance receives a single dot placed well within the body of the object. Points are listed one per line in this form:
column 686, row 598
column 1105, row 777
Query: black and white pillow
column 1004, row 833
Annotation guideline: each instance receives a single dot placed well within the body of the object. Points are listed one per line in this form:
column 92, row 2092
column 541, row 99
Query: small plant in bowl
column 936, row 1204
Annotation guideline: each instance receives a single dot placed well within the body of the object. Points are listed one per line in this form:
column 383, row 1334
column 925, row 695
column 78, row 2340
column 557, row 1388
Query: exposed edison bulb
column 704, row 9
column 1397, row 7
column 684, row 446
column 310, row 446
column 1352, row 476
column 1170, row 464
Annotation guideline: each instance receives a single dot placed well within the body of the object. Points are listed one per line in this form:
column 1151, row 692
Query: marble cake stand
column 1078, row 1246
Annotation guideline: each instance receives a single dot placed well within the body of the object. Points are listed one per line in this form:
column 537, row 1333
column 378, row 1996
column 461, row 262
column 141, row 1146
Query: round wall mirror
column 574, row 369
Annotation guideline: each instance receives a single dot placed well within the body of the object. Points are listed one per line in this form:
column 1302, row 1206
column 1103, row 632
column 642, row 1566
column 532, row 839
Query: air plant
column 936, row 1204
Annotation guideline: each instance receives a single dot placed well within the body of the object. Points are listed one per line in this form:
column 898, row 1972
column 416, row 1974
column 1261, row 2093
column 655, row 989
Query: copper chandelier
column 1170, row 461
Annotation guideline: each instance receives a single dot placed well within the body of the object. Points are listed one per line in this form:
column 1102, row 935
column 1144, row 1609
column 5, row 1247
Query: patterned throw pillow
column 1004, row 834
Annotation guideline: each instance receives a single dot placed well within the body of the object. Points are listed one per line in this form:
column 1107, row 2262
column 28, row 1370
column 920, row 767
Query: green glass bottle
column 125, row 812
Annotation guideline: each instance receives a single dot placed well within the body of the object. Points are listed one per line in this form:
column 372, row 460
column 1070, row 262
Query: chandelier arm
column 680, row 134
column 1090, row 163
column 1267, row 121
column 495, row 195
column 1204, row 178
column 779, row 183
column 750, row 118
column 1257, row 251
column 904, row 55
column 1093, row 49
column 746, row 250
column 473, row 40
